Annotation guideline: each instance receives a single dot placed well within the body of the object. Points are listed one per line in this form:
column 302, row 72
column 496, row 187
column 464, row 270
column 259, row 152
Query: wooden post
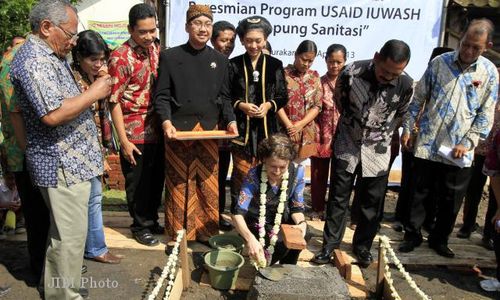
column 380, row 270
column 186, row 272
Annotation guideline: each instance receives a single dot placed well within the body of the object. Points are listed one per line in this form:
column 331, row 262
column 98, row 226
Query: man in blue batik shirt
column 457, row 96
column 62, row 151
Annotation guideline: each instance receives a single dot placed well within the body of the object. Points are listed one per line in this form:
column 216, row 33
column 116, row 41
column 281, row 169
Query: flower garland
column 384, row 242
column 169, row 269
column 273, row 235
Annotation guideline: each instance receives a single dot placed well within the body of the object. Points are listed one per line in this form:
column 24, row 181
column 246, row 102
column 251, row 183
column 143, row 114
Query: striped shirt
column 458, row 105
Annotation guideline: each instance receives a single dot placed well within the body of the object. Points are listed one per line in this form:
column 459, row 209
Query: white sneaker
column 490, row 285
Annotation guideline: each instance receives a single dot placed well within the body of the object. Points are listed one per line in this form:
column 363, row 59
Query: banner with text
column 362, row 26
column 114, row 33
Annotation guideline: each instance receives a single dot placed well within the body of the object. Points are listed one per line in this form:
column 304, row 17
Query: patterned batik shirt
column 11, row 151
column 134, row 70
column 248, row 203
column 326, row 122
column 458, row 105
column 304, row 93
column 370, row 112
column 42, row 81
column 482, row 146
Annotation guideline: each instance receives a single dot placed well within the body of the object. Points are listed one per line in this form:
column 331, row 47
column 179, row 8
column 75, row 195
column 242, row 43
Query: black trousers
column 449, row 185
column 144, row 185
column 36, row 217
column 474, row 193
column 371, row 194
column 224, row 160
column 356, row 202
column 402, row 208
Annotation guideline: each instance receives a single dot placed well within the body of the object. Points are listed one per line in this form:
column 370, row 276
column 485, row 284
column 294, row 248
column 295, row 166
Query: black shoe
column 84, row 269
column 409, row 245
column 397, row 226
column 364, row 257
column 463, row 233
column 323, row 257
column 157, row 229
column 442, row 250
column 224, row 225
column 145, row 237
column 488, row 243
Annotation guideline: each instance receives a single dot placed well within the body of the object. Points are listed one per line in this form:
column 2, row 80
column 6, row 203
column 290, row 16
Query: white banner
column 362, row 26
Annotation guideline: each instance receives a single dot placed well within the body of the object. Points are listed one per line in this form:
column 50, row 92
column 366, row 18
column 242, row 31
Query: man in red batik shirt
column 133, row 67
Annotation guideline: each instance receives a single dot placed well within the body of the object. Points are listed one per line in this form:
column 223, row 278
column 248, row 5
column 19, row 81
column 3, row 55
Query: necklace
column 273, row 235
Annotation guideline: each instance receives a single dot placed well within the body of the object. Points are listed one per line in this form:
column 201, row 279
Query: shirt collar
column 248, row 60
column 138, row 49
column 456, row 59
column 38, row 42
column 294, row 72
column 369, row 75
column 192, row 50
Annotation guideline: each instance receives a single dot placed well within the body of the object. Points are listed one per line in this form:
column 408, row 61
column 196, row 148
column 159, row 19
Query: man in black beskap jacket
column 192, row 94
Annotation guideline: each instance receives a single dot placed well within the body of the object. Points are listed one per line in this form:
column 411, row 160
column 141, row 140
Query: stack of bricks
column 115, row 181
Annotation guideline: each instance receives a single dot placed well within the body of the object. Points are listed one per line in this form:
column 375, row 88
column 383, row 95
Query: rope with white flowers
column 386, row 248
column 169, row 270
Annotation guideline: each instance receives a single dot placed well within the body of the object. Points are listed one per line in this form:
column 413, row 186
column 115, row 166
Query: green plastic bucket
column 223, row 268
column 230, row 242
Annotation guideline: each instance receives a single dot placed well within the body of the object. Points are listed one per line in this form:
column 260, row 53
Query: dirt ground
column 138, row 271
column 438, row 282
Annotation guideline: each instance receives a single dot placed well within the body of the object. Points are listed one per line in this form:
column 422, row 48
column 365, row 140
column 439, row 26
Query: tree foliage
column 14, row 19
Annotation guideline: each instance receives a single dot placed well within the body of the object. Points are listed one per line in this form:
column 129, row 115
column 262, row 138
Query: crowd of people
column 62, row 114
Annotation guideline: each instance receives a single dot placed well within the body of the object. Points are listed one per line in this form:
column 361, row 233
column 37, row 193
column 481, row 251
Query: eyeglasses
column 199, row 24
column 70, row 36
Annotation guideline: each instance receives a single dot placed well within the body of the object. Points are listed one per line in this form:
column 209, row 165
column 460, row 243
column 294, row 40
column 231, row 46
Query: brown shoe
column 108, row 258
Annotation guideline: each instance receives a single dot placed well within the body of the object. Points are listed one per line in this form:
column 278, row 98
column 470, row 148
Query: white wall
column 104, row 11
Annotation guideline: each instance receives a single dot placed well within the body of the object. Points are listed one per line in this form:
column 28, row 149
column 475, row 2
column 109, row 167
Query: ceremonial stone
column 301, row 283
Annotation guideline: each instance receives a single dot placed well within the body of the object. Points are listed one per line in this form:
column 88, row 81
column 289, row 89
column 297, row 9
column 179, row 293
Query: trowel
column 275, row 272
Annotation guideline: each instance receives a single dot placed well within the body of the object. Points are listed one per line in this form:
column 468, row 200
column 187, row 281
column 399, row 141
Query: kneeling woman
column 272, row 193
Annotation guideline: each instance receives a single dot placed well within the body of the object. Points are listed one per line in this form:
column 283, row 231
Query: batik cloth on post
column 192, row 188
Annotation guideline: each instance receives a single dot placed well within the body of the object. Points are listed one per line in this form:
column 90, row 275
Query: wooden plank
column 343, row 263
column 121, row 238
column 183, row 254
column 178, row 287
column 204, row 135
column 292, row 237
column 356, row 285
column 468, row 252
column 466, row 255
